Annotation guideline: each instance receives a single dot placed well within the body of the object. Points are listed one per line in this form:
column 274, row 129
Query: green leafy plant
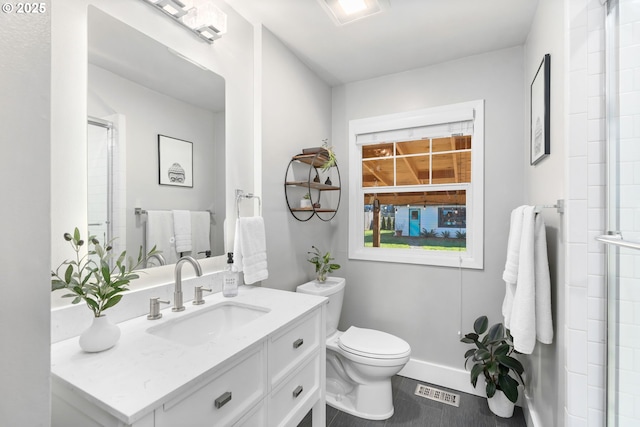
column 96, row 282
column 331, row 156
column 307, row 196
column 492, row 358
column 461, row 234
column 322, row 263
column 445, row 234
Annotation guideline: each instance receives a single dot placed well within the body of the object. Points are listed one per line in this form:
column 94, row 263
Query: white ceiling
column 410, row 34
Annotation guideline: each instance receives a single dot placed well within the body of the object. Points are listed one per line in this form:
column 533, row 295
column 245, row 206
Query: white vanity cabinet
column 268, row 375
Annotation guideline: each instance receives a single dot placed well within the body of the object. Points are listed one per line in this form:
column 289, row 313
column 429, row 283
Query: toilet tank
column 332, row 288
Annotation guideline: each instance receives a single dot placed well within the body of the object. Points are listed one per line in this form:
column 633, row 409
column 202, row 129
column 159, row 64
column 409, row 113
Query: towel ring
column 240, row 195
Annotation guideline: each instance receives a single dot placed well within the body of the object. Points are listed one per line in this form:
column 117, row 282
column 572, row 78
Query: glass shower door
column 99, row 179
column 623, row 212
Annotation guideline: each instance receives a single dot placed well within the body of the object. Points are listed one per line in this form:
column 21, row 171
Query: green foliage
column 492, row 358
column 96, row 283
column 331, row 156
column 445, row 234
column 322, row 263
column 461, row 234
column 428, row 233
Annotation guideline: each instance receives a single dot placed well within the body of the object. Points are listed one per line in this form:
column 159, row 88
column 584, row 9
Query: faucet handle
column 154, row 308
column 197, row 298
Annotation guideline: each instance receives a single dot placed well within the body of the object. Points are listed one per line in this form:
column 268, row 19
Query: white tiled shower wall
column 585, row 318
column 629, row 306
column 585, row 366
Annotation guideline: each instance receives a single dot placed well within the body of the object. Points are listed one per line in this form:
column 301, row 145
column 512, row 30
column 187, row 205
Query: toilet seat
column 373, row 344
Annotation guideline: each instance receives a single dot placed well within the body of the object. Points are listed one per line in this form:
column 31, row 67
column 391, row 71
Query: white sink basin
column 208, row 323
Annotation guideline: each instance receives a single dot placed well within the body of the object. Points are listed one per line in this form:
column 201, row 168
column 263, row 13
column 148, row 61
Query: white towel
column 250, row 249
column 182, row 230
column 510, row 274
column 200, row 231
column 527, row 303
column 160, row 234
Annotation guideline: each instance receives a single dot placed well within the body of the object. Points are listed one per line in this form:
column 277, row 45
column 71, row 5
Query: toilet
column 360, row 362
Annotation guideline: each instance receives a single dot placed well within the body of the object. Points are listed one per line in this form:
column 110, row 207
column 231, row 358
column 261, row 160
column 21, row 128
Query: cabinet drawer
column 257, row 417
column 297, row 392
column 222, row 400
column 294, row 344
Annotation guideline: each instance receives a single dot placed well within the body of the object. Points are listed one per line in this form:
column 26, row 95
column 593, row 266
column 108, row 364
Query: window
column 416, row 186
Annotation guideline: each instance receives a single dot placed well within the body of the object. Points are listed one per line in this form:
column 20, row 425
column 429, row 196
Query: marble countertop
column 142, row 371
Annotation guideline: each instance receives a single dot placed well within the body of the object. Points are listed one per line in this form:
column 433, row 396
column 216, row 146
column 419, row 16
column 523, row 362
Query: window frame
column 473, row 256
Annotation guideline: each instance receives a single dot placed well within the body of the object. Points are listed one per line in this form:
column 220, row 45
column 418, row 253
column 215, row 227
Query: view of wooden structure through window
column 415, row 193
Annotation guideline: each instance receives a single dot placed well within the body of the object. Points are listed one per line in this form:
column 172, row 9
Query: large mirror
column 148, row 103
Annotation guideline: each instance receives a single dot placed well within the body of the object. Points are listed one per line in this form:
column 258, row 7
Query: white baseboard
column 445, row 376
column 458, row 379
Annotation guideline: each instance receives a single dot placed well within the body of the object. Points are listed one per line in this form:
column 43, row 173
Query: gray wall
column 296, row 114
column 25, row 86
column 544, row 184
column 421, row 303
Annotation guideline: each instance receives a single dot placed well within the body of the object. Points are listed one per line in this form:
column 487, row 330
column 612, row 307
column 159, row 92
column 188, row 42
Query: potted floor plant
column 491, row 360
column 91, row 278
column 322, row 263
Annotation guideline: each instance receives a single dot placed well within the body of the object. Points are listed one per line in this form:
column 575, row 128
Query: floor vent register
column 438, row 395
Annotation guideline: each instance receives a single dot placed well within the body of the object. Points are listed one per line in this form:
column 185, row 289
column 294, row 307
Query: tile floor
column 416, row 411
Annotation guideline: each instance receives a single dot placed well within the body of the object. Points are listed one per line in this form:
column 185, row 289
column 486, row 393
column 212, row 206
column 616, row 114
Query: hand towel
column 250, row 249
column 182, row 230
column 159, row 233
column 200, row 233
column 544, row 322
column 527, row 303
column 510, row 274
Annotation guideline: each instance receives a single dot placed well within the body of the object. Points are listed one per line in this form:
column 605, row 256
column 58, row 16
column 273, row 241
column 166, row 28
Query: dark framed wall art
column 175, row 161
column 540, row 103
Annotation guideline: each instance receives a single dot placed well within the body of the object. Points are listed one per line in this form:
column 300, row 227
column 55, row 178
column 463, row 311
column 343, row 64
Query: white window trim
column 473, row 257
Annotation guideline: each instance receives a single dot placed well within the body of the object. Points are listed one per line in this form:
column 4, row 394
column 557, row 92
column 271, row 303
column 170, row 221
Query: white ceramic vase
column 305, row 204
column 101, row 335
column 500, row 405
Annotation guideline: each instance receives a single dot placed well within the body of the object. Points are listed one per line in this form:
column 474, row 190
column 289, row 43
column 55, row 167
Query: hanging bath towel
column 250, row 249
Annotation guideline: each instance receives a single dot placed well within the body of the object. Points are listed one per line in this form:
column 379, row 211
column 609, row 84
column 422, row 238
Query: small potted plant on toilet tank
column 322, row 263
column 491, row 360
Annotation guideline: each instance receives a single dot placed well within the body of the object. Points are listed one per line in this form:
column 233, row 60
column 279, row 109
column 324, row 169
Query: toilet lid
column 372, row 343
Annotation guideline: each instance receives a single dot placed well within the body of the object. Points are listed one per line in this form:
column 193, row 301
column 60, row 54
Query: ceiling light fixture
column 202, row 17
column 345, row 11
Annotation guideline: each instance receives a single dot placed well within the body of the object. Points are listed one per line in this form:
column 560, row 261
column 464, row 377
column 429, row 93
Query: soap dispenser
column 230, row 278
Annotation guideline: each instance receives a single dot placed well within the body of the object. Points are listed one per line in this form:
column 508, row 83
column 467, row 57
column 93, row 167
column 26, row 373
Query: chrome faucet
column 177, row 294
column 159, row 257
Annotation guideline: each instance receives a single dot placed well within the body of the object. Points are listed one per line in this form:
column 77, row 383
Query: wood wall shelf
column 305, row 175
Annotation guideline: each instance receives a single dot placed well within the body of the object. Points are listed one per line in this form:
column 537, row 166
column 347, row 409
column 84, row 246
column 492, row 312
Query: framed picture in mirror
column 175, row 161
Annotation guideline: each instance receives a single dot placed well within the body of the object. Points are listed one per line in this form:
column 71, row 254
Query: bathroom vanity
column 253, row 360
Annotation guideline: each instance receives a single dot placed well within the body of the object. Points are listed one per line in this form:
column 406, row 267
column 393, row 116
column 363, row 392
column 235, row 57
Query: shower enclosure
column 622, row 238
column 99, row 179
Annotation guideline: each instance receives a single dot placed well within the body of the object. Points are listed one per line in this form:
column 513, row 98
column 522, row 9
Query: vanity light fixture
column 345, row 11
column 202, row 17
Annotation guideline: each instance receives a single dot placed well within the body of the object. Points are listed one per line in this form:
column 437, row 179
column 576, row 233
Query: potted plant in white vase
column 491, row 360
column 305, row 202
column 322, row 263
column 98, row 284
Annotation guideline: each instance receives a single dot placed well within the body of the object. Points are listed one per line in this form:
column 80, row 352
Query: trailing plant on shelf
column 491, row 359
column 95, row 281
column 331, row 156
column 322, row 263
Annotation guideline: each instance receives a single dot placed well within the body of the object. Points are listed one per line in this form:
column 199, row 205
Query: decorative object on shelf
column 96, row 282
column 322, row 263
column 305, row 203
column 540, row 111
column 317, row 178
column 175, row 162
column 492, row 358
column 331, row 156
column 328, row 181
column 317, row 205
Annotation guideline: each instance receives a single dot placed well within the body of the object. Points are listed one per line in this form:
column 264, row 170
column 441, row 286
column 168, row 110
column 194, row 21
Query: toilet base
column 379, row 407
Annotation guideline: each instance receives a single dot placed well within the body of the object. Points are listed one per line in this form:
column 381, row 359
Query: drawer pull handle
column 297, row 343
column 223, row 400
column 297, row 391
